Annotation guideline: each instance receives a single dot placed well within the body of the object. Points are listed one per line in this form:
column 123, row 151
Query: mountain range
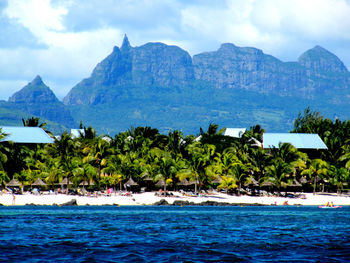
column 164, row 87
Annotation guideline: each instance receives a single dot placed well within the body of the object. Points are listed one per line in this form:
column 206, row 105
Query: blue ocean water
column 174, row 234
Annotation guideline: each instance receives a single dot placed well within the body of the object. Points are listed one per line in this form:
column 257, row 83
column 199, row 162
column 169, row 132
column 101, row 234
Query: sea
column 174, row 234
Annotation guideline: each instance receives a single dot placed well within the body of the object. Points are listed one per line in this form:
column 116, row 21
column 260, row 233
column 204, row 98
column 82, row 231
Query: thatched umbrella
column 39, row 182
column 84, row 183
column 295, row 183
column 147, row 179
column 14, row 183
column 303, row 180
column 130, row 183
column 193, row 182
column 268, row 184
column 66, row 182
column 217, row 180
column 183, row 182
column 251, row 181
column 160, row 183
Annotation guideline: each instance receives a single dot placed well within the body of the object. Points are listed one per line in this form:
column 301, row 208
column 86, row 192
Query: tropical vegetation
column 145, row 157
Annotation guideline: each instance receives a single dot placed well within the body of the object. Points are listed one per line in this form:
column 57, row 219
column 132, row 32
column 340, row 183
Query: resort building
column 25, row 135
column 235, row 132
column 298, row 140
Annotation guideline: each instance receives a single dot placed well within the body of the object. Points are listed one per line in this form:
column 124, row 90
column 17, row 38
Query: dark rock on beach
column 70, row 203
column 161, row 202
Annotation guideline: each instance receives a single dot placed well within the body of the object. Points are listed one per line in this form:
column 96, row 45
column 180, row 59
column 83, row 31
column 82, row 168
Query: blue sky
column 63, row 40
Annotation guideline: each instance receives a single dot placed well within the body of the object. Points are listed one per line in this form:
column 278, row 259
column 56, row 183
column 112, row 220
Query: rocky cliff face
column 153, row 64
column 327, row 74
column 230, row 67
column 38, row 99
column 250, row 69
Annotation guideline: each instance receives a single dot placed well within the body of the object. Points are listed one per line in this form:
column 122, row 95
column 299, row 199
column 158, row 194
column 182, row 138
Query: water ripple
column 174, row 234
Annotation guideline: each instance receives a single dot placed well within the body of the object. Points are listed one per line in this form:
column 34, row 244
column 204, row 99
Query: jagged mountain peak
column 37, row 81
column 34, row 92
column 126, row 44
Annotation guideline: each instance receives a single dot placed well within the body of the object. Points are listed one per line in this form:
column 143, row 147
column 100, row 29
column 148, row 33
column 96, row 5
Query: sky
column 63, row 40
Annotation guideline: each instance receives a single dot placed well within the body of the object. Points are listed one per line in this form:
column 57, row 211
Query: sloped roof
column 298, row 140
column 235, row 132
column 26, row 135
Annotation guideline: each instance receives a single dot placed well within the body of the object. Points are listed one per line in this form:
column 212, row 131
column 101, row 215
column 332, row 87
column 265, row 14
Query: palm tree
column 97, row 152
column 259, row 160
column 33, row 122
column 167, row 167
column 199, row 165
column 316, row 169
column 65, row 148
column 3, row 150
column 278, row 174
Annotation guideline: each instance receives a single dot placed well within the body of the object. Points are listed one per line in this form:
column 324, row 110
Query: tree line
column 174, row 161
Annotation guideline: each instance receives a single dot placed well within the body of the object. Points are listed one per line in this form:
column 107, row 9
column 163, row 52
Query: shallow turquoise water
column 174, row 234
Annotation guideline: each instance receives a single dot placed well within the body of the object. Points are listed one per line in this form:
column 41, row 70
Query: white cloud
column 69, row 56
column 37, row 15
column 273, row 25
column 76, row 35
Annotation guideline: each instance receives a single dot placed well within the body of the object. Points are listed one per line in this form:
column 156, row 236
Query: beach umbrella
column 303, row 180
column 251, row 181
column 183, row 182
column 14, row 183
column 217, row 180
column 193, row 182
column 84, row 183
column 130, row 182
column 267, row 183
column 146, row 177
column 65, row 182
column 295, row 183
column 161, row 182
column 39, row 182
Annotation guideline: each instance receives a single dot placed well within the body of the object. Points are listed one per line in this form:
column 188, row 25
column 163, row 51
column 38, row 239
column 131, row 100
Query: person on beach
column 13, row 198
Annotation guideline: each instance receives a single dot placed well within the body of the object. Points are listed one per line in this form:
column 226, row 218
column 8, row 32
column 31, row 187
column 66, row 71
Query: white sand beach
column 150, row 198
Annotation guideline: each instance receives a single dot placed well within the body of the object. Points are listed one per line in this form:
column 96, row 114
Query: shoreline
column 150, row 198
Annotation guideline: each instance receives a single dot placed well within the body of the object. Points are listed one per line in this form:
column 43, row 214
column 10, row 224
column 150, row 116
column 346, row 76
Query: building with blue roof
column 235, row 132
column 25, row 135
column 298, row 140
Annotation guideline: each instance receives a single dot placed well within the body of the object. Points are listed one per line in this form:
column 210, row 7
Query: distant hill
column 36, row 99
column 164, row 87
